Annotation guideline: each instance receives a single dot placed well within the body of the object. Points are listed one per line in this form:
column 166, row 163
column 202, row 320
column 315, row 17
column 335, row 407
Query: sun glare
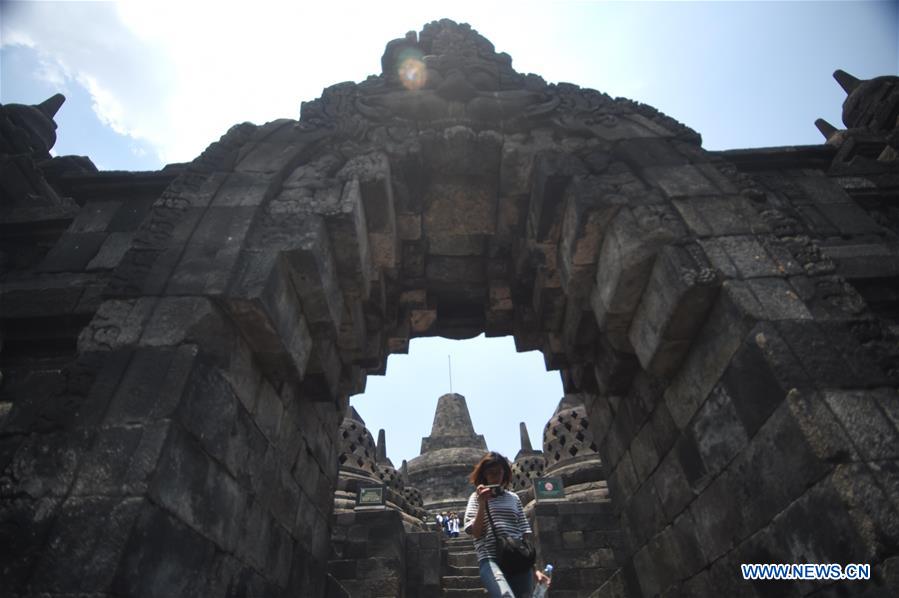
column 412, row 70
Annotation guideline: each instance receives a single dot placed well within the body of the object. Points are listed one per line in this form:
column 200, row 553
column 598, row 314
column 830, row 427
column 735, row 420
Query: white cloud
column 83, row 43
column 177, row 75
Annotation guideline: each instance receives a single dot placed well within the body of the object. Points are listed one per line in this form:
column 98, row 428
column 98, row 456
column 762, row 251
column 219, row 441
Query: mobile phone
column 496, row 489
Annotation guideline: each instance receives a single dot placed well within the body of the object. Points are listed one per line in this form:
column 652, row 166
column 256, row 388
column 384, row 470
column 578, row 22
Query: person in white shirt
column 508, row 517
column 454, row 525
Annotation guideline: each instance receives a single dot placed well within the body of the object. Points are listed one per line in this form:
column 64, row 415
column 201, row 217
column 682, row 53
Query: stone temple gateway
column 179, row 346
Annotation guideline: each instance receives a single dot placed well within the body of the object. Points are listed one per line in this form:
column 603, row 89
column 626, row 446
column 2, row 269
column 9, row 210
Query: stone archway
column 724, row 359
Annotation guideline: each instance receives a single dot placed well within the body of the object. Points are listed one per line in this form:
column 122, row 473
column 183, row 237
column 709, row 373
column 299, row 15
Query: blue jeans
column 499, row 586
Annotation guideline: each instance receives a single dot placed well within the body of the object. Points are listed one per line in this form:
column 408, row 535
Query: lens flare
column 412, row 71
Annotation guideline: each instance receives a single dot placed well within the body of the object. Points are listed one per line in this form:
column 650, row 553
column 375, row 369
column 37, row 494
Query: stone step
column 464, row 571
column 464, row 593
column 462, row 559
column 456, row 582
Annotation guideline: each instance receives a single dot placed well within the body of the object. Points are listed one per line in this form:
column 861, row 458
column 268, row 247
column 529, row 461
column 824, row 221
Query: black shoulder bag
column 514, row 555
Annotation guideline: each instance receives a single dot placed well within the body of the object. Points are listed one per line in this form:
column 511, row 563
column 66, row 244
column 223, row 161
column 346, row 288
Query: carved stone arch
column 686, row 296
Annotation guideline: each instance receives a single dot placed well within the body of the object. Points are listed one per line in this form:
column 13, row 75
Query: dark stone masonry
column 179, row 346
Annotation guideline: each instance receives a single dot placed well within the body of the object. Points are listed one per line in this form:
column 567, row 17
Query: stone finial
column 826, row 128
column 51, row 105
column 404, row 469
column 525, row 439
column 846, row 81
column 381, row 447
column 451, row 417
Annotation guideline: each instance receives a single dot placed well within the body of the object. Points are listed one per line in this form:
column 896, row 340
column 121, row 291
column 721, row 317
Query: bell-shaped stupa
column 528, row 464
column 570, row 452
column 447, row 456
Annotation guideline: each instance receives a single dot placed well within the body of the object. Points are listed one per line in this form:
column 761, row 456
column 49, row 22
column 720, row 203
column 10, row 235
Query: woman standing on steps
column 491, row 477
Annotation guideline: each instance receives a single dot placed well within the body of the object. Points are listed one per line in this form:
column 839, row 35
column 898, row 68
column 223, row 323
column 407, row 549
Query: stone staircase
column 459, row 574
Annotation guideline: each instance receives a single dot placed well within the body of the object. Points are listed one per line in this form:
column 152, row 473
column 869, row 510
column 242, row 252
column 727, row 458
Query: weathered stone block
column 777, row 452
column 590, row 203
column 143, row 272
column 720, row 216
column 210, row 257
column 832, row 355
column 72, row 252
column 760, row 375
column 152, row 387
column 614, row 369
column 717, row 523
column 517, row 158
column 163, row 556
column 461, row 151
column 243, row 189
column 111, row 252
column 859, row 412
column 643, row 453
column 829, row 297
column 122, row 460
column 273, row 324
column 625, row 263
column 717, row 431
column 864, row 260
column 645, row 513
column 83, row 551
column 613, row 127
column 174, row 215
column 345, row 218
column 118, row 323
column 680, row 291
column 671, row 484
column 552, row 172
column 650, row 152
column 44, row 465
column 448, row 271
column 709, row 356
column 680, row 181
column 872, row 512
column 850, row 219
column 376, row 189
column 94, row 216
column 199, row 491
column 748, row 256
column 625, row 479
column 457, row 209
column 278, row 152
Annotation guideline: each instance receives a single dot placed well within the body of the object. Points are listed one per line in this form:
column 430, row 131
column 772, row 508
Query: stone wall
column 374, row 557
column 580, row 540
column 424, row 555
column 161, row 460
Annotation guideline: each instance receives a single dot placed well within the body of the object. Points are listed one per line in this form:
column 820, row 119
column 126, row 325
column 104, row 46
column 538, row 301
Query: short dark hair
column 492, row 458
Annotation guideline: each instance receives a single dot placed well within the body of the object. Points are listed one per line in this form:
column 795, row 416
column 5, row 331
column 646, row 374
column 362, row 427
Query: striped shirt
column 508, row 517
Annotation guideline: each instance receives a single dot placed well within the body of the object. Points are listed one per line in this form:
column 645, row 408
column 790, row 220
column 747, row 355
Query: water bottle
column 542, row 588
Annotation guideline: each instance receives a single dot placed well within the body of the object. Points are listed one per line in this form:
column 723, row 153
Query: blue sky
column 150, row 83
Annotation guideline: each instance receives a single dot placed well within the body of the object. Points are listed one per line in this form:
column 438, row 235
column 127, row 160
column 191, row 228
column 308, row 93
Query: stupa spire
column 381, row 447
column 452, row 417
column 452, row 426
column 525, row 439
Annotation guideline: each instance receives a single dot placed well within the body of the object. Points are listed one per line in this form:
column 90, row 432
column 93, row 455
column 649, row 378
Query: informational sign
column 547, row 488
column 370, row 496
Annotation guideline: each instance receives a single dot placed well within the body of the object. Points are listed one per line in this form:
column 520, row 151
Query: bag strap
column 490, row 518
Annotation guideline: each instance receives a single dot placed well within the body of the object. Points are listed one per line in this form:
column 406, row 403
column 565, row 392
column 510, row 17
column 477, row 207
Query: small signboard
column 370, row 496
column 548, row 488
